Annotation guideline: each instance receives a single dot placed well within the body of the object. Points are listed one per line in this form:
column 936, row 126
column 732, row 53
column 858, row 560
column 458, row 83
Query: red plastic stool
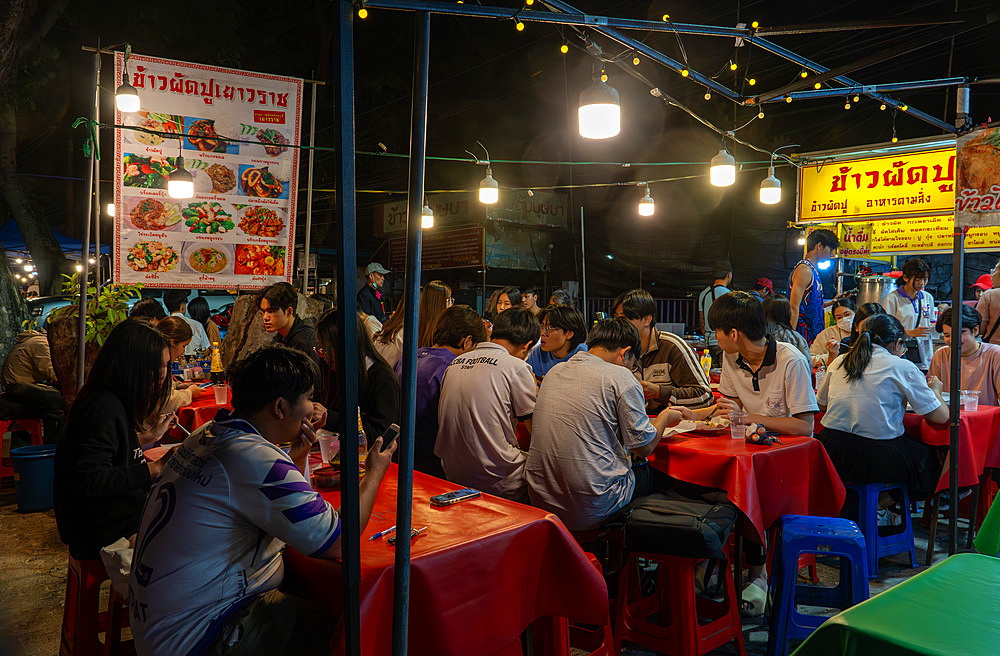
column 562, row 637
column 117, row 620
column 83, row 619
column 33, row 426
column 677, row 608
column 809, row 560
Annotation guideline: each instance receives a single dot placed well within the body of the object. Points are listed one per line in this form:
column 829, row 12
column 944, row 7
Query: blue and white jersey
column 212, row 531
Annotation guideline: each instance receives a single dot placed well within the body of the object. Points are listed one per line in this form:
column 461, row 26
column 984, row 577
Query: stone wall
column 246, row 332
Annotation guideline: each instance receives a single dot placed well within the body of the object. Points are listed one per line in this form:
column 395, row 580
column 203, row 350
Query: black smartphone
column 451, row 498
column 390, row 436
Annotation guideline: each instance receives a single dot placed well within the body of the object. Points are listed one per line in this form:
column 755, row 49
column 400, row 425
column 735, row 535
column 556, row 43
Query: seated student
column 178, row 335
column 668, row 369
column 278, row 303
column 843, row 310
column 778, row 311
column 564, row 332
column 207, row 562
column 484, row 394
column 980, row 361
column 457, row 331
column 589, row 420
column 149, row 309
column 864, row 394
column 866, row 311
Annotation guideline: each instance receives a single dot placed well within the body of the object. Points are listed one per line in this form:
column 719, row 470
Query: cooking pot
column 874, row 289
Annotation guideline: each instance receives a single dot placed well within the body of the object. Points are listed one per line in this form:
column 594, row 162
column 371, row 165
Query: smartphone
column 389, row 436
column 205, row 385
column 451, row 498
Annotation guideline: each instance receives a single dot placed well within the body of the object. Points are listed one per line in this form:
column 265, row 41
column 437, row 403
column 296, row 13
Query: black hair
column 328, row 338
column 456, row 323
column 517, row 326
column 269, row 373
column 175, row 298
column 721, row 269
column 778, row 310
column 914, row 268
column 198, row 310
column 148, row 308
column 513, row 295
column 880, row 329
column 613, row 334
column 560, row 297
column 566, row 318
column 740, row 311
column 970, row 318
column 279, row 296
column 129, row 366
column 636, row 304
column 844, row 302
column 865, row 311
column 530, row 289
column 822, row 236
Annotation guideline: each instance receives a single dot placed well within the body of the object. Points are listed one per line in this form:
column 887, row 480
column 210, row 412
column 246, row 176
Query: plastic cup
column 221, row 393
column 970, row 400
column 329, row 444
column 738, row 425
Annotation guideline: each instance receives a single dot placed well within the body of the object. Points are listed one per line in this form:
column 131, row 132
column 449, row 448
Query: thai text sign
column 444, row 249
column 977, row 200
column 238, row 230
column 901, row 184
column 855, row 240
column 917, row 234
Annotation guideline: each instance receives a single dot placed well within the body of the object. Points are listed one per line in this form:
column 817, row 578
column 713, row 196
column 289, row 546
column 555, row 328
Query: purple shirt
column 431, row 365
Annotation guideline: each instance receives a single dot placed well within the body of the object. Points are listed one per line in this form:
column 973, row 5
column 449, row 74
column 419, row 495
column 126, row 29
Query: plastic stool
column 678, row 609
column 83, row 620
column 117, row 620
column 809, row 560
column 563, row 638
column 883, row 545
column 33, row 426
column 828, row 536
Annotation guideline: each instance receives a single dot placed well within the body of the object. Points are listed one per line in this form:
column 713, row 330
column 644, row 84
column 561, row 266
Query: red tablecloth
column 765, row 482
column 201, row 410
column 978, row 444
column 484, row 570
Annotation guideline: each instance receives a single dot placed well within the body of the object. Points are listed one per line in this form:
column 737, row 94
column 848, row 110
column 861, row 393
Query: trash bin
column 33, row 475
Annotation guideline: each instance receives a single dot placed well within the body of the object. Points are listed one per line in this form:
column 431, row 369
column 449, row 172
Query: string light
column 90, row 260
column 362, row 13
column 770, row 188
column 180, row 183
column 760, row 114
column 708, row 95
column 666, row 17
column 801, row 240
column 755, row 25
column 646, row 205
column 635, row 61
column 489, row 189
column 426, row 216
column 847, row 103
column 79, row 268
column 788, row 99
column 18, row 261
column 804, row 74
column 856, row 98
column 904, row 107
column 882, row 107
column 817, row 86
column 519, row 26
column 723, row 169
column 752, row 81
column 600, row 111
column 732, row 65
column 29, row 268
column 564, row 48
column 685, row 72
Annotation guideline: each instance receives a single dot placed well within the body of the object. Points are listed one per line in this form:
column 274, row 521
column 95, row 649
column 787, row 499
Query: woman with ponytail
column 864, row 395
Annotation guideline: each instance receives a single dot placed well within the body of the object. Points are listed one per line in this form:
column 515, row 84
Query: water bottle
column 362, row 442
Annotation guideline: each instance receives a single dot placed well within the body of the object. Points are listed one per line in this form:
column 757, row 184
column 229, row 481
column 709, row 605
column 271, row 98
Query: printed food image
column 223, row 178
column 147, row 172
column 151, row 214
column 152, row 256
column 203, row 136
column 260, row 183
column 979, row 162
column 207, row 260
column 261, row 222
column 260, row 260
column 274, row 142
column 157, row 123
column 207, row 218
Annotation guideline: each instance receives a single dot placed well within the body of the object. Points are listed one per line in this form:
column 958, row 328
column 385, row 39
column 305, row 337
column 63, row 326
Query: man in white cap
column 370, row 299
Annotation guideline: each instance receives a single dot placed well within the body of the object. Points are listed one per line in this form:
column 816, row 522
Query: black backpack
column 676, row 524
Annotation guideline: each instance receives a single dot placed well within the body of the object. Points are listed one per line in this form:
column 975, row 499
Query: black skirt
column 862, row 460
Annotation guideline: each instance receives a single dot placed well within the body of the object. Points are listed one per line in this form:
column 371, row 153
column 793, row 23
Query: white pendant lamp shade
column 426, row 217
column 489, row 189
column 646, row 205
column 126, row 97
column 723, row 171
column 770, row 188
column 180, row 184
column 600, row 112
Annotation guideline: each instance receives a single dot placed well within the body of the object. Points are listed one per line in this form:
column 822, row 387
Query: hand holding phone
column 389, row 436
column 451, row 498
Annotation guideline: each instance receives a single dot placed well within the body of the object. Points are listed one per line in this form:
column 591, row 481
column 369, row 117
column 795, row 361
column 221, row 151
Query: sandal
column 754, row 598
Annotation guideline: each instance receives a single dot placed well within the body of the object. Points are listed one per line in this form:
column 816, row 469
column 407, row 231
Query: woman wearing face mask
column 989, row 308
column 829, row 338
column 864, row 395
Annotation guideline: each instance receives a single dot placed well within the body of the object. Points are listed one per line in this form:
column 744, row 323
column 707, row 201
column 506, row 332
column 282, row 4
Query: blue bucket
column 34, row 472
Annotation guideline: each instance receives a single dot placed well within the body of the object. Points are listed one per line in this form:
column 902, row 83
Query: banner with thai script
column 901, row 184
column 977, row 197
column 238, row 230
column 915, row 234
column 855, row 240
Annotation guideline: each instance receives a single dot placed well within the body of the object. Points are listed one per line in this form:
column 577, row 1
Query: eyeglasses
column 546, row 329
column 448, row 302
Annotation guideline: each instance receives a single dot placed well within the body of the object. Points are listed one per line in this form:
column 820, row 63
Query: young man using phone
column 207, row 561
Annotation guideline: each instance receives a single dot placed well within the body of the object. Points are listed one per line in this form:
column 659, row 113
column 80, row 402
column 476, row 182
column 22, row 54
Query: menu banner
column 447, row 249
column 977, row 198
column 238, row 230
column 918, row 234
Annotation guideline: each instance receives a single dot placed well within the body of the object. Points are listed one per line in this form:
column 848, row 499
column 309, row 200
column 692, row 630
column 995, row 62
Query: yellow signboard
column 855, row 240
column 911, row 235
column 901, row 184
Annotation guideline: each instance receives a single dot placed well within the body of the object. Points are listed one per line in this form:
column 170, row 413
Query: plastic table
column 947, row 610
column 200, row 411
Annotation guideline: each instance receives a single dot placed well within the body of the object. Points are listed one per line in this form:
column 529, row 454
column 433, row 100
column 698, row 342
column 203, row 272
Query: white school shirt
column 900, row 307
column 781, row 387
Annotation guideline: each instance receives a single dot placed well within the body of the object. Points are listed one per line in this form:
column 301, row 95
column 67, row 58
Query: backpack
column 675, row 524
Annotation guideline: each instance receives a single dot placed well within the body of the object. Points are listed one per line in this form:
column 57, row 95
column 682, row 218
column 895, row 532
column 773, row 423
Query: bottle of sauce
column 218, row 374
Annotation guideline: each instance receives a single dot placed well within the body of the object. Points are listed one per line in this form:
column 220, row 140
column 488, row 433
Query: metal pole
column 309, row 190
column 411, row 290
column 347, row 369
column 81, row 350
column 97, row 187
column 583, row 267
column 955, row 378
column 483, row 304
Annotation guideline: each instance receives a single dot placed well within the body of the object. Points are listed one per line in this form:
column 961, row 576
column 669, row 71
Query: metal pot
column 874, row 289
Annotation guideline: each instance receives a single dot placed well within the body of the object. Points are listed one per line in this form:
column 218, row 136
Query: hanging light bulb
column 180, row 183
column 817, row 86
column 882, row 107
column 801, row 240
column 723, row 170
column 856, row 98
column 426, row 217
column 489, row 189
column 788, row 99
column 708, row 95
column 732, row 66
column 28, row 268
column 646, row 205
column 770, row 188
column 600, row 113
column 362, row 13
column 79, row 268
column 18, row 261
column 804, row 74
column 90, row 260
column 519, row 26
column 126, row 97
column 564, row 48
column 760, row 114
column 111, row 209
column 685, row 72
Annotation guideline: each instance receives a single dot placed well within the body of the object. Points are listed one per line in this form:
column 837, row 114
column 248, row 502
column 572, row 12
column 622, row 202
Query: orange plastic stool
column 677, row 608
column 83, row 619
column 33, row 426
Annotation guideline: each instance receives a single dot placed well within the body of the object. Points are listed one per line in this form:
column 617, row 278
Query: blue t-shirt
column 541, row 361
column 431, row 365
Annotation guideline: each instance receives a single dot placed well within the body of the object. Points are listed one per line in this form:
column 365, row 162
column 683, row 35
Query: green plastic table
column 952, row 609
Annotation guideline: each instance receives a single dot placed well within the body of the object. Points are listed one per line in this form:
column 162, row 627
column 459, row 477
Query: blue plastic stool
column 879, row 545
column 825, row 536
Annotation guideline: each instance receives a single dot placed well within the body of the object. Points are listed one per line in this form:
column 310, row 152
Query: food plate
column 153, row 214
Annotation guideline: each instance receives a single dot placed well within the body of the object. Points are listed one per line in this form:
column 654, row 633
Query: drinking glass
column 738, row 424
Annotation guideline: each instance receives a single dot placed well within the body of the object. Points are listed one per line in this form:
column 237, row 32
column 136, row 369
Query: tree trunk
column 13, row 309
column 64, row 346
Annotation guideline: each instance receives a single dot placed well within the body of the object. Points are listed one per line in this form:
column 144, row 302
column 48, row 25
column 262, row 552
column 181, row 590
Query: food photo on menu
column 153, row 214
column 257, row 221
column 260, row 182
column 208, row 217
column 200, row 134
column 147, row 172
column 154, row 122
column 152, row 257
column 210, row 260
column 257, row 260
